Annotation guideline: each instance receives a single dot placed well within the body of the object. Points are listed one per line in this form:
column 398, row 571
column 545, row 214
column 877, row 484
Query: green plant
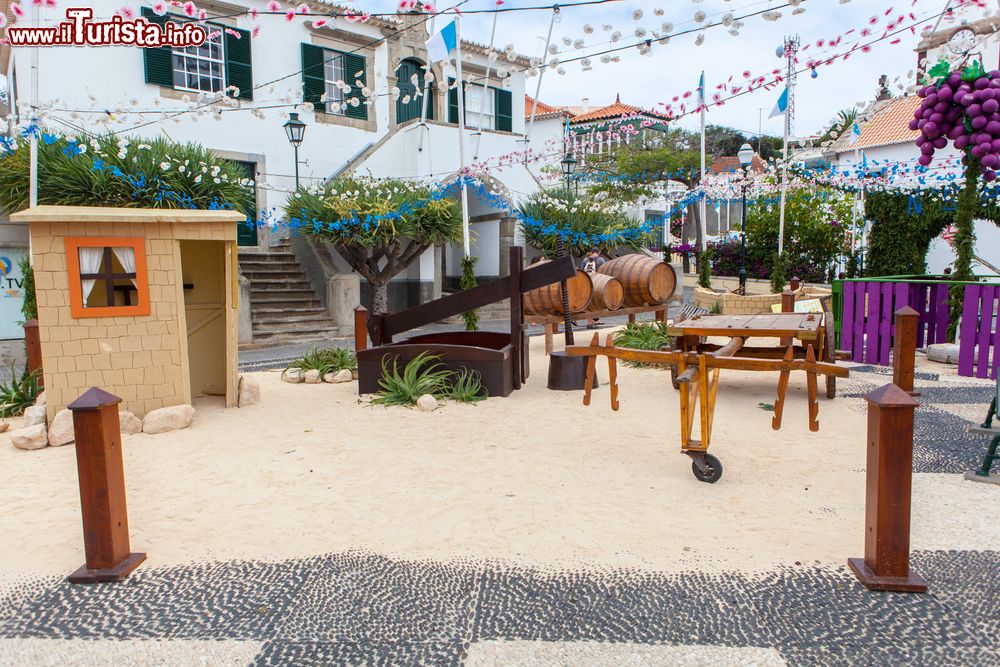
column 19, row 393
column 584, row 217
column 716, row 308
column 420, row 376
column 29, row 308
column 348, row 214
column 779, row 273
column 467, row 387
column 468, row 281
column 329, row 360
column 643, row 336
column 705, row 269
column 112, row 170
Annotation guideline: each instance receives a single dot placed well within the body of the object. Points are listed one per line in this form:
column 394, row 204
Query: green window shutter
column 452, row 102
column 314, row 75
column 159, row 62
column 239, row 68
column 354, row 70
column 504, row 112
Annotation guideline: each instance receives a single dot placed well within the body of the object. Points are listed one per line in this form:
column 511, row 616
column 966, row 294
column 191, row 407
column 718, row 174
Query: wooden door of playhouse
column 204, row 271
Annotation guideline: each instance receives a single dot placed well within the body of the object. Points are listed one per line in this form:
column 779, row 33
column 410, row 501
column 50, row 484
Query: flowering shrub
column 116, row 171
column 584, row 221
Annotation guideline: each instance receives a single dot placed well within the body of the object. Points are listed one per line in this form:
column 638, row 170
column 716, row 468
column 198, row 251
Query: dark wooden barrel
column 548, row 300
column 608, row 292
column 646, row 281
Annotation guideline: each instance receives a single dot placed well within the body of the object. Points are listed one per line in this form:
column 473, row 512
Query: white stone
column 31, row 437
column 168, row 419
column 311, row 376
column 4, row 426
column 40, row 399
column 293, row 375
column 33, row 416
column 61, row 429
column 129, row 423
column 343, row 375
column 427, row 403
column 945, row 353
column 249, row 392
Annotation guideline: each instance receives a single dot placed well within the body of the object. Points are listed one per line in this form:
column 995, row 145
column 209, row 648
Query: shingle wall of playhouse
column 143, row 359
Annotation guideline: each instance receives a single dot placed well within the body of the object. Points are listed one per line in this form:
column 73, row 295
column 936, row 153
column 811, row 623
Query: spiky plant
column 19, row 393
column 328, row 360
column 421, row 375
column 467, row 387
column 643, row 336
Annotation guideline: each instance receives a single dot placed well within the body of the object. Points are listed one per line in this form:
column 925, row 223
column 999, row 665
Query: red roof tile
column 542, row 109
column 616, row 110
column 889, row 124
column 731, row 163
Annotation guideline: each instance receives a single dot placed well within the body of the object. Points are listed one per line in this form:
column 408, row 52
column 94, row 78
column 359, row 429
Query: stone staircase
column 284, row 308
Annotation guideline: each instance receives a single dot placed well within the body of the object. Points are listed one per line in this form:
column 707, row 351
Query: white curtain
column 126, row 256
column 90, row 262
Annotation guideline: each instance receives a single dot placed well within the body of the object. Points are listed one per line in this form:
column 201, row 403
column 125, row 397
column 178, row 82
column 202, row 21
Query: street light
column 568, row 165
column 745, row 155
column 295, row 130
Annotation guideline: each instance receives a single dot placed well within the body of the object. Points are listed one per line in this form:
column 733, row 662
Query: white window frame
column 333, row 63
column 473, row 104
column 191, row 54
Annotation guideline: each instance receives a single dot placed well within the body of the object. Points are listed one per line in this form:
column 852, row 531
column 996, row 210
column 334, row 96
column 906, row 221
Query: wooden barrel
column 548, row 300
column 646, row 281
column 608, row 293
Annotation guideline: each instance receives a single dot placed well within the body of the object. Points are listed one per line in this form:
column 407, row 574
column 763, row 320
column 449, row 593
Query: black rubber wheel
column 713, row 470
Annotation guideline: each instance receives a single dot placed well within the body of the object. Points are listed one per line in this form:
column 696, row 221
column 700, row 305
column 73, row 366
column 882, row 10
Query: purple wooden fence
column 979, row 331
column 868, row 318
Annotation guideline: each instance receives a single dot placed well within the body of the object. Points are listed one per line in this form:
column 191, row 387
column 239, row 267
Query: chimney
column 585, row 103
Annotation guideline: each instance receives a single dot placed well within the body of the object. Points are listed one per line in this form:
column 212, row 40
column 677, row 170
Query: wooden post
column 886, row 565
column 794, row 283
column 787, row 306
column 516, row 264
column 102, row 489
column 904, row 350
column 33, row 348
column 360, row 328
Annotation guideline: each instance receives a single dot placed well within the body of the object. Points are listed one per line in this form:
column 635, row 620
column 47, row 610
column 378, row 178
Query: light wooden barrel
column 548, row 300
column 646, row 281
column 608, row 292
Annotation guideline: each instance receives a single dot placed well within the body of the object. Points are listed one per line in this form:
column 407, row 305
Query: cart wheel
column 712, row 469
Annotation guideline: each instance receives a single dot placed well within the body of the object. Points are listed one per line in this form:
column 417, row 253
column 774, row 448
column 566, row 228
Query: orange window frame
column 76, row 304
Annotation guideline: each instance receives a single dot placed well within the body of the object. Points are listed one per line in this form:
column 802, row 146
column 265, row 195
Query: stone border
column 752, row 304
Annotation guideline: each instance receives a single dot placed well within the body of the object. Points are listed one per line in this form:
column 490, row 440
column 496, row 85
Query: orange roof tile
column 731, row 164
column 616, row 110
column 541, row 108
column 889, row 124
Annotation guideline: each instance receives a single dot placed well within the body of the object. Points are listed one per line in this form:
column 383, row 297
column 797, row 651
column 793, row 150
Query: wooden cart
column 699, row 364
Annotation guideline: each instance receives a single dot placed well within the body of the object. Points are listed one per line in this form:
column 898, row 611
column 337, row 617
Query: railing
column 864, row 323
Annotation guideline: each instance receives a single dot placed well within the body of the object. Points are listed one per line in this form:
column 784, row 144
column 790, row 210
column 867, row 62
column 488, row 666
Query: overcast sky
column 673, row 68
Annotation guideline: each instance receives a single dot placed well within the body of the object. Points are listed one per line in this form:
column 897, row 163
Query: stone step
column 282, row 283
column 290, row 267
column 296, row 328
column 274, row 309
column 280, row 301
column 265, row 292
column 290, row 316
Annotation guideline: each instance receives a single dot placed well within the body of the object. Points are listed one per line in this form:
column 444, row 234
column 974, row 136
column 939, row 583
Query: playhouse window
column 107, row 277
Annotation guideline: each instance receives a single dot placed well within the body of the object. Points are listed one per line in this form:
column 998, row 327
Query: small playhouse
column 139, row 302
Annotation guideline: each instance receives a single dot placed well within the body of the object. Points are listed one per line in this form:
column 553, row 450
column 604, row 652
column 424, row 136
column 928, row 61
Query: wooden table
column 696, row 365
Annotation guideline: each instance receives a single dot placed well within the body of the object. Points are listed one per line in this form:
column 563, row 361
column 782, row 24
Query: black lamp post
column 568, row 165
column 745, row 155
column 295, row 129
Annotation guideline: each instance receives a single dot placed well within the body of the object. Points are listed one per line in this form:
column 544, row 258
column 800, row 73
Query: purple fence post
column 996, row 342
column 902, row 293
column 941, row 314
column 847, row 317
column 874, row 313
column 985, row 329
column 859, row 324
column 967, row 334
column 885, row 325
column 932, row 296
column 920, row 295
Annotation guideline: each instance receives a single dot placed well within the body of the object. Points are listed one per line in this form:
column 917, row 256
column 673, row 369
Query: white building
column 363, row 116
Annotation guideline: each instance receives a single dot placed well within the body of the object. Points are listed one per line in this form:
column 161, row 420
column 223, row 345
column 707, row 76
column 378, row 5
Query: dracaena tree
column 380, row 227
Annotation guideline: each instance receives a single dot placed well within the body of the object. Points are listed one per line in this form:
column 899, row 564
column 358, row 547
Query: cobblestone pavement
column 362, row 608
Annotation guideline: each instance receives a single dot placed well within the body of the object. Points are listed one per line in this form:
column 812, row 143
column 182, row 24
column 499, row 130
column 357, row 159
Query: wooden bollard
column 33, row 349
column 360, row 328
column 102, row 489
column 886, row 565
column 904, row 348
column 794, row 283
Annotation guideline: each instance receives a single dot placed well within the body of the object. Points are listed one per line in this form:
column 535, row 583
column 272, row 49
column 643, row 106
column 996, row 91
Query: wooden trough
column 501, row 359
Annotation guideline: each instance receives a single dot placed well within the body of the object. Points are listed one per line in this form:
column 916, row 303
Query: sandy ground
column 535, row 479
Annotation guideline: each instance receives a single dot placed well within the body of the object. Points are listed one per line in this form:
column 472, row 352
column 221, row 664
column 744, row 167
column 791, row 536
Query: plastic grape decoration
column 962, row 107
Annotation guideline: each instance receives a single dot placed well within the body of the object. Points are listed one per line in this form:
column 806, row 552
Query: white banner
column 11, row 293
